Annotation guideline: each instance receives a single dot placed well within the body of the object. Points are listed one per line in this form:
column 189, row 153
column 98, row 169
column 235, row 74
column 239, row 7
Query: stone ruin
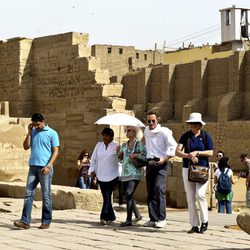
column 74, row 84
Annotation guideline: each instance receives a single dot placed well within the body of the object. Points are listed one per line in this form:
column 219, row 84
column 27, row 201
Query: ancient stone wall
column 120, row 60
column 217, row 88
column 13, row 158
column 57, row 76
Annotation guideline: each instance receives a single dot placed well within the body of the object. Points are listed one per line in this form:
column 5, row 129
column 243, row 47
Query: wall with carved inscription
column 57, row 76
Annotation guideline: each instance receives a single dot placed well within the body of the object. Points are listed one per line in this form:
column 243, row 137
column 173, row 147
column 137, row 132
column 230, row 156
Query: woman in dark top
column 83, row 164
column 198, row 146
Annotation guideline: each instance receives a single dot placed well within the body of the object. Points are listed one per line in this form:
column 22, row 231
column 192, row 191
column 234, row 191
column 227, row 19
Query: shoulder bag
column 198, row 174
column 138, row 163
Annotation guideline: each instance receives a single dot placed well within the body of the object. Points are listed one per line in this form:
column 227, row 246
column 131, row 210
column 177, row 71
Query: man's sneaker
column 193, row 230
column 44, row 226
column 21, row 225
column 149, row 223
column 160, row 223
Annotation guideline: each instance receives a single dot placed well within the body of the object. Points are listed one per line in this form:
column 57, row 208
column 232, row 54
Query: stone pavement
column 79, row 229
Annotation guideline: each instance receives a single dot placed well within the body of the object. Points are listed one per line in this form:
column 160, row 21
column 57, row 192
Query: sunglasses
column 219, row 155
column 86, row 155
column 127, row 131
column 151, row 121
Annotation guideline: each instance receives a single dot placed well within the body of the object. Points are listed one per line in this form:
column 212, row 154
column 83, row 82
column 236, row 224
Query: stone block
column 243, row 221
column 177, row 169
column 62, row 197
column 181, row 200
column 172, row 184
column 100, row 76
column 94, row 63
column 171, row 198
column 84, row 51
column 112, row 90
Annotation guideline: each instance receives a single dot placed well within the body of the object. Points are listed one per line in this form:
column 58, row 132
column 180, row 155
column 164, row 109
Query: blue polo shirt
column 196, row 144
column 41, row 144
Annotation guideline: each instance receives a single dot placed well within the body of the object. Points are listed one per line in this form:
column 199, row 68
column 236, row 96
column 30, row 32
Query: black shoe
column 203, row 227
column 193, row 230
column 136, row 219
column 126, row 224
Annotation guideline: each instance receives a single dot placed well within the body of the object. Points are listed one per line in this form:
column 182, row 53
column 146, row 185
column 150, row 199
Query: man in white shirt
column 160, row 146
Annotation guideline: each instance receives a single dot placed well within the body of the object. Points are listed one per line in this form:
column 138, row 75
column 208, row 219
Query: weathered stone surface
column 63, row 197
column 243, row 221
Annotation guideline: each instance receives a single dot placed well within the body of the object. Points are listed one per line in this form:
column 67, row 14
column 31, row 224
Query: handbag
column 139, row 163
column 198, row 174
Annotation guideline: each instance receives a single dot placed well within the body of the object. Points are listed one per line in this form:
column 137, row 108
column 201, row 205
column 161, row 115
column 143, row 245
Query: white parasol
column 120, row 119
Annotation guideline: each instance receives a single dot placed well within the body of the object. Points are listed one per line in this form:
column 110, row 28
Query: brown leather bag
column 198, row 174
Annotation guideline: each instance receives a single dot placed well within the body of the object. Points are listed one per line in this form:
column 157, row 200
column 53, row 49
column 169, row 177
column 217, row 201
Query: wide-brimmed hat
column 195, row 117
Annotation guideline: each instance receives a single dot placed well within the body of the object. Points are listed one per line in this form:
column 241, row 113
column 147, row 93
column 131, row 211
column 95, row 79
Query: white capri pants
column 195, row 192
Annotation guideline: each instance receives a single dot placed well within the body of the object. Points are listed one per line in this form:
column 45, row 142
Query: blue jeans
column 224, row 204
column 35, row 176
column 156, row 179
column 84, row 184
column 129, row 188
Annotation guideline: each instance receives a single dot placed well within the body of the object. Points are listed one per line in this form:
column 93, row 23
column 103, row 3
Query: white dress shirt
column 159, row 142
column 104, row 162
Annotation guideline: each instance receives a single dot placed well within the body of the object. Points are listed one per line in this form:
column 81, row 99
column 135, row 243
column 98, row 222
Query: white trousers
column 195, row 192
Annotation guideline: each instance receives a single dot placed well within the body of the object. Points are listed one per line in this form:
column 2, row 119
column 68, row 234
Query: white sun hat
column 195, row 117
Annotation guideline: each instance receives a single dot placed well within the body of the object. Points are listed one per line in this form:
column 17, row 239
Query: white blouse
column 104, row 162
column 217, row 173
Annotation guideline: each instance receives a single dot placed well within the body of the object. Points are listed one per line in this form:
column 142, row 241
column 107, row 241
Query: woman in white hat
column 198, row 146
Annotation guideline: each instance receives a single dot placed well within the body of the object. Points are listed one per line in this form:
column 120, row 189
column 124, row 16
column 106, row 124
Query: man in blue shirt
column 44, row 144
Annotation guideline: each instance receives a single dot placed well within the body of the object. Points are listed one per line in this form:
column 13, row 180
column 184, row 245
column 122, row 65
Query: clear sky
column 140, row 23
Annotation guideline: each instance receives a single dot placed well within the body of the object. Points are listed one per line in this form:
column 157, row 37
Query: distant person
column 224, row 196
column 83, row 164
column 160, row 146
column 104, row 164
column 44, row 144
column 244, row 159
column 198, row 146
column 131, row 175
column 219, row 155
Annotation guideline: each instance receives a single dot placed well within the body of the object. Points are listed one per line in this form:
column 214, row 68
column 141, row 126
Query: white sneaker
column 160, row 223
column 149, row 224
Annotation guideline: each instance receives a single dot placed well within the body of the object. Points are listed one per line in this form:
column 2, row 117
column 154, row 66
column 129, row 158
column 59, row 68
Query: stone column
column 5, row 108
column 230, row 107
column 197, row 104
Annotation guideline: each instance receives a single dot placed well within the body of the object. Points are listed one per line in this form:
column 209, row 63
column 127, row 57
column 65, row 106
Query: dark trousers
column 156, row 178
column 120, row 192
column 129, row 188
column 107, row 189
